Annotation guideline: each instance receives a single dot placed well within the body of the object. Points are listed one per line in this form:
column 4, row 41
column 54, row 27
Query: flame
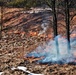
column 32, row 33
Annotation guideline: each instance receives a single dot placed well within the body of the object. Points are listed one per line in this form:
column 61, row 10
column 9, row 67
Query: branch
column 48, row 3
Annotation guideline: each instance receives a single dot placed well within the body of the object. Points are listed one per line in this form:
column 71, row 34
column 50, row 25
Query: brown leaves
column 32, row 59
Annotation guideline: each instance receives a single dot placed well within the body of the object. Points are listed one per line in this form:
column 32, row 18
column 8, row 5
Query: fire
column 49, row 52
column 33, row 33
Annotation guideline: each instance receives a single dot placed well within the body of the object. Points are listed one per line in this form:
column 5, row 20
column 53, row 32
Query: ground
column 20, row 36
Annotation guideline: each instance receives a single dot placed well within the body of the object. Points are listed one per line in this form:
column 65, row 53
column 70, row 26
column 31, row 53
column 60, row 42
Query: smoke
column 49, row 51
column 45, row 22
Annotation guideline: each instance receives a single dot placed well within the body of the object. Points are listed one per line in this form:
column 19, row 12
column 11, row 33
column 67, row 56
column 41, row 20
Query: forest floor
column 20, row 36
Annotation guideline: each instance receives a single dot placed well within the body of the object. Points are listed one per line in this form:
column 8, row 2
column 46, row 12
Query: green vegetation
column 34, row 3
column 16, row 3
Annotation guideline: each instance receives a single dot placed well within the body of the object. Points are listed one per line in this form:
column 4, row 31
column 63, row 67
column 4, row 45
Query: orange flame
column 33, row 33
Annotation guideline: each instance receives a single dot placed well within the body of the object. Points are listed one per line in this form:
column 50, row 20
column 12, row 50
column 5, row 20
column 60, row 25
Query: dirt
column 17, row 41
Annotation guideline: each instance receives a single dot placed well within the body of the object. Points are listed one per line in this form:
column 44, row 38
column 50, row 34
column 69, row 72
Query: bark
column 67, row 17
column 55, row 27
column 1, row 21
column 54, row 19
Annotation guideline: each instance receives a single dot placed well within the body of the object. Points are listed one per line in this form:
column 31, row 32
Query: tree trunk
column 55, row 27
column 1, row 21
column 67, row 22
column 54, row 19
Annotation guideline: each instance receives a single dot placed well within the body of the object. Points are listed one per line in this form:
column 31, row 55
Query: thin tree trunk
column 1, row 22
column 54, row 19
column 67, row 22
column 55, row 27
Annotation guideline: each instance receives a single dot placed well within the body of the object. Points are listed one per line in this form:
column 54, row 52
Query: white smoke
column 49, row 51
column 45, row 23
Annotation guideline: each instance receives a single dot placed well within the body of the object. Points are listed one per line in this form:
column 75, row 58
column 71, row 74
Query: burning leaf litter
column 49, row 51
column 34, row 68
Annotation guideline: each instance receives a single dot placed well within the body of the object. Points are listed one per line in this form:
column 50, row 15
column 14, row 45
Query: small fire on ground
column 31, row 33
column 47, row 53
